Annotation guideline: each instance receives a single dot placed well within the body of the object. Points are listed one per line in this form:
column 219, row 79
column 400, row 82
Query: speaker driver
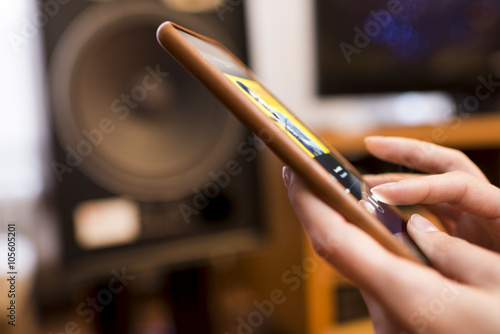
column 127, row 114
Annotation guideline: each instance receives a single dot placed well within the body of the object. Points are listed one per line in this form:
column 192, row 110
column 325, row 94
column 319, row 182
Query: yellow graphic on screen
column 275, row 111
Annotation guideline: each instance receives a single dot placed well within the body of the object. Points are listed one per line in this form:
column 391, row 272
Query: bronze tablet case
column 322, row 168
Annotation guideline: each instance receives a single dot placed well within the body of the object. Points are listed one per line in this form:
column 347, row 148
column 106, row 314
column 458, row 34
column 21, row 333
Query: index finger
column 420, row 155
column 456, row 188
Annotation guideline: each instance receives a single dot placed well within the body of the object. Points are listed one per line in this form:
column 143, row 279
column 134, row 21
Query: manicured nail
column 378, row 196
column 286, row 174
column 422, row 224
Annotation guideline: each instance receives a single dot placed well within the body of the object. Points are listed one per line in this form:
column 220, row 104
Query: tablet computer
column 322, row 168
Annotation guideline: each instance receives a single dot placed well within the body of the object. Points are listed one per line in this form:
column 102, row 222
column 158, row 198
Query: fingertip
column 373, row 138
column 422, row 224
column 378, row 192
column 377, row 145
column 286, row 174
column 418, row 229
column 292, row 183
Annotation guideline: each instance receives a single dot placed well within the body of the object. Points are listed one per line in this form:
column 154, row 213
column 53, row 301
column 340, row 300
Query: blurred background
column 133, row 202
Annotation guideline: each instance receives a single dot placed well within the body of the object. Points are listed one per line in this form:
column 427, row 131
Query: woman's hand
column 461, row 294
column 458, row 193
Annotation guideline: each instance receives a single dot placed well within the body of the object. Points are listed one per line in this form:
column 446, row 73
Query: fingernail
column 378, row 196
column 286, row 174
column 422, row 224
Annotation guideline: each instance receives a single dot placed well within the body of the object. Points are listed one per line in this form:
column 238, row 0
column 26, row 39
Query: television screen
column 373, row 47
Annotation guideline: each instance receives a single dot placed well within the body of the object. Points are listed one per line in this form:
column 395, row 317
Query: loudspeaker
column 149, row 168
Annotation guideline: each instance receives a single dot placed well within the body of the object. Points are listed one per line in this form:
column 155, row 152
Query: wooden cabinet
column 474, row 132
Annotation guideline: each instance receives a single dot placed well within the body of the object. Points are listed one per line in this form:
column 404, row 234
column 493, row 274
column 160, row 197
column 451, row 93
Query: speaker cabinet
column 149, row 169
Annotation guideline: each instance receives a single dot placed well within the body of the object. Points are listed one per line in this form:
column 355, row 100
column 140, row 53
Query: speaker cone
column 129, row 116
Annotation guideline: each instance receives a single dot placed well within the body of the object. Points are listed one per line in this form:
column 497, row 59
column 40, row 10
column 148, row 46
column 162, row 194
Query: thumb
column 454, row 257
